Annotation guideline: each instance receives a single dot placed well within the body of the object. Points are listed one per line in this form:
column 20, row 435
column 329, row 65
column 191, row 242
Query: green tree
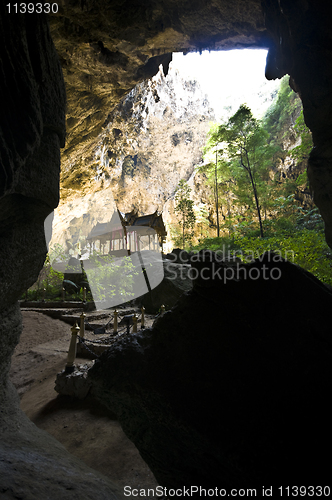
column 184, row 207
column 218, row 176
column 201, row 213
column 245, row 157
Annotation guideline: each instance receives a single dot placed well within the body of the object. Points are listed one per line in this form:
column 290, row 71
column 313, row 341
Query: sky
column 229, row 77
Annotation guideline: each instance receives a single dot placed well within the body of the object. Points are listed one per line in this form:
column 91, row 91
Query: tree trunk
column 257, row 204
column 217, row 199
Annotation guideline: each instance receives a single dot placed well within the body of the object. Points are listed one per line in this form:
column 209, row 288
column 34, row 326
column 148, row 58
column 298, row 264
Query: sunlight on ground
column 229, row 78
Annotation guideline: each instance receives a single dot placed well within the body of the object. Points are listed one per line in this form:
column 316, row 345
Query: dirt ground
column 85, row 428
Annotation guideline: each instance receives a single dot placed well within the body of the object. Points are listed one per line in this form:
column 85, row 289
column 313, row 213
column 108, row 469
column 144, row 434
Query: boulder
column 229, row 389
column 176, row 281
column 179, row 256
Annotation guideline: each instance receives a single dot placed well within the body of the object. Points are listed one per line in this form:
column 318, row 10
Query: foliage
column 111, row 281
column 301, row 152
column 201, row 214
column 305, row 247
column 48, row 279
column 175, row 234
column 184, row 208
column 240, row 163
column 245, row 159
column 282, row 113
column 107, row 278
column 52, row 280
column 57, row 254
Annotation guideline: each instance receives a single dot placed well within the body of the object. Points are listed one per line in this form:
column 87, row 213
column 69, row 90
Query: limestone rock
column 73, row 384
column 34, row 465
column 150, row 141
column 32, row 129
column 229, row 388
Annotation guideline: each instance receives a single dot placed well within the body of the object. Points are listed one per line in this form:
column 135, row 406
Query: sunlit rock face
column 153, row 138
column 106, row 48
column 162, row 125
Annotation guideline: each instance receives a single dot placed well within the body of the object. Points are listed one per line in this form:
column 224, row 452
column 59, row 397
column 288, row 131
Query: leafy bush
column 305, row 247
column 109, row 280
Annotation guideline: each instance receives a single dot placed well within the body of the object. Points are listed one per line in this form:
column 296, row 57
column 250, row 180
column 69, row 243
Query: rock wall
column 301, row 47
column 32, row 130
column 152, row 139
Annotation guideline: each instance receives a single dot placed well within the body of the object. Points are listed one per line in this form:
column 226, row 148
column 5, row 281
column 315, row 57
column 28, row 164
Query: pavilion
column 128, row 232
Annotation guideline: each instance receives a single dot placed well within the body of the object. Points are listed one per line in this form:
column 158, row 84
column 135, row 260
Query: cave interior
column 265, row 395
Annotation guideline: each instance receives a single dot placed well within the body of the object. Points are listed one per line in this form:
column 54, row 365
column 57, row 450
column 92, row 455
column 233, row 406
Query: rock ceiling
column 106, row 48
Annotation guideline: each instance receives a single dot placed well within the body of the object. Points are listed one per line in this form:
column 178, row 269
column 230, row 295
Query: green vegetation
column 241, row 145
column 305, row 247
column 50, row 282
column 110, row 281
column 186, row 215
column 256, row 203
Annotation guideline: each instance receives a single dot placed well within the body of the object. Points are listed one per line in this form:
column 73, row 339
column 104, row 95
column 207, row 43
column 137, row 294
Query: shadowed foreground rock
column 33, row 465
column 176, row 281
column 230, row 388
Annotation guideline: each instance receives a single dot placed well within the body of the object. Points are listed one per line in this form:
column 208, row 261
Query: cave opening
column 229, row 78
column 155, row 136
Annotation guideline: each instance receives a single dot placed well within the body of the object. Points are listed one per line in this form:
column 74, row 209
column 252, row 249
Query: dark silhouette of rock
column 177, row 281
column 32, row 130
column 179, row 256
column 229, row 389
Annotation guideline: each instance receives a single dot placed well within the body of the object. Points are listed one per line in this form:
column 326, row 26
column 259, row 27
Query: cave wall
column 31, row 134
column 32, row 130
column 301, row 46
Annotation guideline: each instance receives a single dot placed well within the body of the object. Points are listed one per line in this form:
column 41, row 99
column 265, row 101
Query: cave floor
column 85, row 429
